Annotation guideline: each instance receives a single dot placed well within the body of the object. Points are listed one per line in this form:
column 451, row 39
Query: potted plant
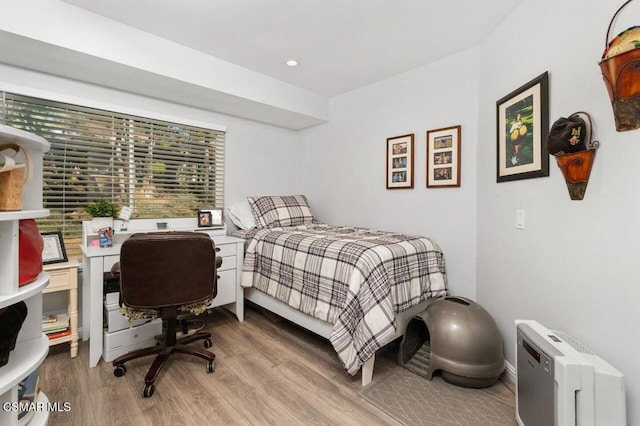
column 103, row 212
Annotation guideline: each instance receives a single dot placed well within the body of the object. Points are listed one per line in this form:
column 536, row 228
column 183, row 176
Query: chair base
column 163, row 354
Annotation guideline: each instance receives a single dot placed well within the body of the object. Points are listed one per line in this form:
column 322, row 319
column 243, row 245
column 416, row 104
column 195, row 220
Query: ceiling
column 340, row 44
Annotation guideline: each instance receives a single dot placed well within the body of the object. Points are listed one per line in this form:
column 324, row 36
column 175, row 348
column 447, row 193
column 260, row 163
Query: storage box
column 131, row 339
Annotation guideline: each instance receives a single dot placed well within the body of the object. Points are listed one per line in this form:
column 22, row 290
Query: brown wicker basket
column 620, row 68
column 13, row 180
column 11, row 190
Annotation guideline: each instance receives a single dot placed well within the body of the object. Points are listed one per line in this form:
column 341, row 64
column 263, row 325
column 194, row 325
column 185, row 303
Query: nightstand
column 64, row 277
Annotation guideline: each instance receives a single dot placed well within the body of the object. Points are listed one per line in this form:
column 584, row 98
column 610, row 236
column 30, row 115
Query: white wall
column 575, row 266
column 342, row 163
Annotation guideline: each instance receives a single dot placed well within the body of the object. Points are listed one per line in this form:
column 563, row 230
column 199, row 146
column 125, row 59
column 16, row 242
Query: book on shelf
column 61, row 323
column 57, row 330
column 49, row 318
column 58, row 334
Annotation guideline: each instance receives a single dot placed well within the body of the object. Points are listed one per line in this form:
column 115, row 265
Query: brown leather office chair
column 165, row 272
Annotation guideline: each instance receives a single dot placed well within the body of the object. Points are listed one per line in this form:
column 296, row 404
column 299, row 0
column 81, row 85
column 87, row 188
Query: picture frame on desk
column 210, row 218
column 204, row 218
column 53, row 251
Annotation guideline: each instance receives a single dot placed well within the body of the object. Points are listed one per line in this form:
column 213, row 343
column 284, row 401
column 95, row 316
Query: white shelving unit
column 32, row 345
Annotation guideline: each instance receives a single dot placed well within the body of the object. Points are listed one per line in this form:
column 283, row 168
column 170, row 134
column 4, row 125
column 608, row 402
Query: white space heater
column 560, row 382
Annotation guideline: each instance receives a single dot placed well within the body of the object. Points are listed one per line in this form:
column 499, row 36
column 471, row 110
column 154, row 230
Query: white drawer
column 116, row 321
column 127, row 340
column 228, row 262
column 225, row 250
column 226, row 288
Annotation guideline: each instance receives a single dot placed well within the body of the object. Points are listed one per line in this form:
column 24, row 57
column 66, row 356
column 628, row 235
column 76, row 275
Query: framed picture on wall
column 443, row 157
column 400, row 162
column 522, row 128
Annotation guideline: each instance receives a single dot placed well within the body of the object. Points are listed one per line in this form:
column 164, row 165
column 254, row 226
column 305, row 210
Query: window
column 160, row 169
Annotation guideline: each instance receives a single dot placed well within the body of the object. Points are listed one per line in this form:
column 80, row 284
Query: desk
column 97, row 260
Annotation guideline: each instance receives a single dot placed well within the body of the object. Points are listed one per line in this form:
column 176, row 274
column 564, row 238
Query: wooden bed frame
column 324, row 328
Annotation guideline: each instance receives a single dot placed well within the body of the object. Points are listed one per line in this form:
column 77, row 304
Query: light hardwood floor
column 267, row 371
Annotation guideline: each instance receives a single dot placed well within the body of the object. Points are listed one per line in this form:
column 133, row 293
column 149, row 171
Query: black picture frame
column 204, row 218
column 522, row 126
column 53, row 250
column 215, row 218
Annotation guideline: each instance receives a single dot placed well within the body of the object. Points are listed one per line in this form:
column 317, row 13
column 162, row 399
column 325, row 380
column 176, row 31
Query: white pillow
column 241, row 215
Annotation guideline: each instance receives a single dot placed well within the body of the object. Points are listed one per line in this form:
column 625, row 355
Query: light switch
column 519, row 219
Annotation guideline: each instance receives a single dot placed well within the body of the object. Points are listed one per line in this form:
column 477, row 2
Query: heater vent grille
column 573, row 343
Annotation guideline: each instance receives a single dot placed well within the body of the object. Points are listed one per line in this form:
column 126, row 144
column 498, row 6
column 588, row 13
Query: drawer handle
column 217, row 248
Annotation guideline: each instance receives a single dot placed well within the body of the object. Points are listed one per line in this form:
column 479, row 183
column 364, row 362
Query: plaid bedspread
column 353, row 278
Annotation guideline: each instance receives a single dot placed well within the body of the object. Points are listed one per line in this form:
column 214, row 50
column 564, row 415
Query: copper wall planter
column 576, row 168
column 620, row 66
column 570, row 141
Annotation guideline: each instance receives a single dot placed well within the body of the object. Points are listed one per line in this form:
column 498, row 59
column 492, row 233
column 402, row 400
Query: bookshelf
column 64, row 277
column 32, row 345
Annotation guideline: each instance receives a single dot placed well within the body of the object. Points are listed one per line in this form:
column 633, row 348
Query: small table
column 64, row 277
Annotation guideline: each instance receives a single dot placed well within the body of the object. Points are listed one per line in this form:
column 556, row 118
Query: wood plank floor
column 267, row 371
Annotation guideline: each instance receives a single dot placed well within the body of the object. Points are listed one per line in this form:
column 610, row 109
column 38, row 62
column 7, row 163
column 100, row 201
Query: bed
column 355, row 286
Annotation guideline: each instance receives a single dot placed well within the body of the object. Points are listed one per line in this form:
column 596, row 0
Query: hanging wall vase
column 620, row 66
column 576, row 168
column 569, row 140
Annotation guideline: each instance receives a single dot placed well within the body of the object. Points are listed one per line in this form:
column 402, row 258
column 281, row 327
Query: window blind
column 160, row 169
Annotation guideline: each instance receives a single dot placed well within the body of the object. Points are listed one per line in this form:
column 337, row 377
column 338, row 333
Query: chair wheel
column 148, row 390
column 210, row 367
column 120, row 370
column 207, row 343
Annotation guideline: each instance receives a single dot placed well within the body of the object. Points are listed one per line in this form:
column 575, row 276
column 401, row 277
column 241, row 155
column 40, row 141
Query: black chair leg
column 200, row 335
column 163, row 353
column 157, row 365
column 200, row 353
column 137, row 354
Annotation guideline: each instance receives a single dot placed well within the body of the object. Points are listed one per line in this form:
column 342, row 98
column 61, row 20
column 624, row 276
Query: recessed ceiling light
column 292, row 63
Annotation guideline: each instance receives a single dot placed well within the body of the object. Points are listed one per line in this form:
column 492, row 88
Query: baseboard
column 508, row 376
